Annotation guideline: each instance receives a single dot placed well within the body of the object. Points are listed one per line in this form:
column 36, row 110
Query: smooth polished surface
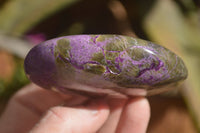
column 103, row 64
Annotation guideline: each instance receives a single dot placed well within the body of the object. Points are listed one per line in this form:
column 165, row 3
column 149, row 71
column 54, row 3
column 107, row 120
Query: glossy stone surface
column 103, row 64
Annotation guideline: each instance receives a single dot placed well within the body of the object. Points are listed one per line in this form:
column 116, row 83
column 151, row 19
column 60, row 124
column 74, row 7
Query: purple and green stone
column 104, row 64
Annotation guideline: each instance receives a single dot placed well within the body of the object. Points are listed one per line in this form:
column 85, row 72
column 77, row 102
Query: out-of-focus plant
column 18, row 16
column 12, row 74
column 167, row 25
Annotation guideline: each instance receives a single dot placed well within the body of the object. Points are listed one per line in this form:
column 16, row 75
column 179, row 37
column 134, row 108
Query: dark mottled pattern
column 118, row 60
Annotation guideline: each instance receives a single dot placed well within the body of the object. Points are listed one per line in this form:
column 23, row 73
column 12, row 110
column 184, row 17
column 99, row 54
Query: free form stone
column 104, row 64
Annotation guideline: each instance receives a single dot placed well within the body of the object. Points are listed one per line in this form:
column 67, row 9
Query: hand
column 42, row 111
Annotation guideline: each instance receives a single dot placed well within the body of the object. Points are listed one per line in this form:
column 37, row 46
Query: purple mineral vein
column 154, row 65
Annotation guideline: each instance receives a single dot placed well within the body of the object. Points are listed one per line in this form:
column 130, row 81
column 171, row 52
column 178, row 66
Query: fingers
column 87, row 119
column 17, row 119
column 116, row 107
column 28, row 105
column 135, row 117
column 125, row 115
column 39, row 100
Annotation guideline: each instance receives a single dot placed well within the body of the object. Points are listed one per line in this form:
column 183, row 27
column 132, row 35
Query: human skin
column 37, row 110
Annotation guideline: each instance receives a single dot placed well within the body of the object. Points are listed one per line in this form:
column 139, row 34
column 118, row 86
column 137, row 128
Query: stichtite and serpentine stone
column 104, row 64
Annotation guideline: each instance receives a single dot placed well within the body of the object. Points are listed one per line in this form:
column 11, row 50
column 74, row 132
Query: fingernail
column 95, row 106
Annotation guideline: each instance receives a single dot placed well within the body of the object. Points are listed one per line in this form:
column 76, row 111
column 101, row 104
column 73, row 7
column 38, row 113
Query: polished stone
column 99, row 63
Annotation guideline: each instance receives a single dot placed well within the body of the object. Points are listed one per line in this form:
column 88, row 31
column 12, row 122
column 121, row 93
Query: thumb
column 84, row 119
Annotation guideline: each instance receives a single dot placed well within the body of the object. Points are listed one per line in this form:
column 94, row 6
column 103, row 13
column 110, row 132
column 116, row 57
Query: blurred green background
column 174, row 24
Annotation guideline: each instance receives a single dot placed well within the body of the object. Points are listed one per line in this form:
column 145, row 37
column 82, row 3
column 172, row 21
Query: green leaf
column 166, row 25
column 18, row 16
